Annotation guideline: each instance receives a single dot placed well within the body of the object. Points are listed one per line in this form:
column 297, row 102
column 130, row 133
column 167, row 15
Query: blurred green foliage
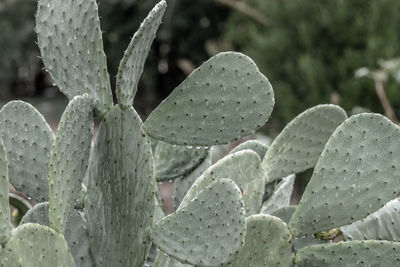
column 311, row 49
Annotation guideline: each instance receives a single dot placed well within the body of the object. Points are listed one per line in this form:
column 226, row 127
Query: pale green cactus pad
column 257, row 146
column 384, row 224
column 5, row 222
column 172, row 161
column 218, row 211
column 223, row 100
column 268, row 243
column 131, row 66
column 33, row 245
column 182, row 185
column 285, row 213
column 163, row 260
column 352, row 253
column 244, row 168
column 301, row 142
column 358, row 172
column 27, row 139
column 280, row 197
column 120, row 191
column 70, row 42
column 75, row 232
column 69, row 159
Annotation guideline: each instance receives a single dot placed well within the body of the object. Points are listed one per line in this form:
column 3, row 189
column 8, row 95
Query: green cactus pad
column 218, row 212
column 353, row 253
column 69, row 159
column 75, row 232
column 119, row 203
column 298, row 147
column 284, row 213
column 182, row 185
column 131, row 66
column 244, row 168
column 163, row 260
column 384, row 224
column 281, row 196
column 255, row 145
column 5, row 221
column 223, row 100
column 268, row 243
column 358, row 172
column 27, row 139
column 69, row 38
column 33, row 245
column 172, row 161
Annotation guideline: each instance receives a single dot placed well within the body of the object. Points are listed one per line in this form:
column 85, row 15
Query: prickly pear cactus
column 218, row 211
column 120, row 191
column 255, row 145
column 212, row 106
column 353, row 253
column 33, row 245
column 358, row 172
column 69, row 159
column 172, row 161
column 281, row 196
column 5, row 222
column 244, row 168
column 268, row 243
column 131, row 66
column 27, row 139
column 384, row 224
column 299, row 145
column 70, row 42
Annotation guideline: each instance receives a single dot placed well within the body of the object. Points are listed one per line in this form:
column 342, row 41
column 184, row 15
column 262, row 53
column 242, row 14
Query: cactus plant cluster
column 99, row 202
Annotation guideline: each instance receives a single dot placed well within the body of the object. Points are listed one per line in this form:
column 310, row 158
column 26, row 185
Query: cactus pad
column 163, row 260
column 281, row 196
column 69, row 159
column 358, row 172
column 353, row 253
column 182, row 185
column 384, row 224
column 244, row 168
column 5, row 222
column 218, row 211
column 34, row 245
column 223, row 100
column 27, row 139
column 131, row 66
column 75, row 232
column 268, row 243
column 300, row 143
column 120, row 191
column 255, row 145
column 172, row 161
column 69, row 38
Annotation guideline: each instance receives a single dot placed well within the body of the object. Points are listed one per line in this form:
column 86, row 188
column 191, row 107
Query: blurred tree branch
column 246, row 10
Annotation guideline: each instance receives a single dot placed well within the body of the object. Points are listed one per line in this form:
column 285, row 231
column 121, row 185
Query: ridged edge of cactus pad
column 119, row 203
column 27, row 139
column 352, row 253
column 299, row 145
column 257, row 146
column 244, row 168
column 131, row 66
column 268, row 243
column 358, row 172
column 5, row 221
column 69, row 159
column 218, row 211
column 71, row 45
column 34, row 245
column 384, row 224
column 226, row 98
column 172, row 161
